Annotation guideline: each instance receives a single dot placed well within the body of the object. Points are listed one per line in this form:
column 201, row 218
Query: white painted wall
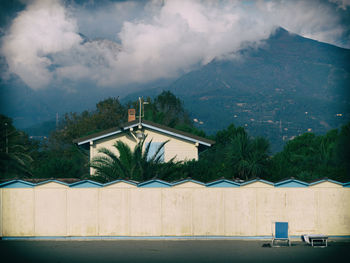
column 187, row 209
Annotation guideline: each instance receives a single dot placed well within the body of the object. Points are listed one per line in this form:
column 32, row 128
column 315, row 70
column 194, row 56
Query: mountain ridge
column 287, row 86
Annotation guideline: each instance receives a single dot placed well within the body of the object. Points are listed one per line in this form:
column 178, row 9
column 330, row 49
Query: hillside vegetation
column 236, row 154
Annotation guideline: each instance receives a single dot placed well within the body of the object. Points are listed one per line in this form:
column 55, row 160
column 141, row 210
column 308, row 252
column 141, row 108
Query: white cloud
column 164, row 40
column 183, row 34
column 311, row 19
column 42, row 29
column 91, row 60
column 343, row 4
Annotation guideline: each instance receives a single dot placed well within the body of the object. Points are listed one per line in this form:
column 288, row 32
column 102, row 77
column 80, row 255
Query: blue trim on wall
column 291, row 183
column 86, row 184
column 256, row 180
column 346, row 184
column 118, row 181
column 17, row 184
column 333, row 181
column 154, row 183
column 188, row 180
column 326, row 180
column 223, row 183
column 51, row 181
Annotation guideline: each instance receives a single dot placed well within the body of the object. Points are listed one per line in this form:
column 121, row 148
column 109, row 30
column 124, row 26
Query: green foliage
column 235, row 155
column 226, row 135
column 15, row 150
column 190, row 129
column 170, row 110
column 248, row 157
column 309, row 157
column 134, row 165
column 165, row 109
column 69, row 162
column 108, row 113
column 342, row 148
column 59, row 157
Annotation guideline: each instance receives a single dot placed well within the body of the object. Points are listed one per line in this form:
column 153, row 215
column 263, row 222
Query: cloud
column 95, row 60
column 343, row 4
column 44, row 28
column 104, row 19
column 143, row 42
column 182, row 35
column 312, row 19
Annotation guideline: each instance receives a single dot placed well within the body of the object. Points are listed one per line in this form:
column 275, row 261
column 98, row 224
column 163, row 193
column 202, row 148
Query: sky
column 115, row 43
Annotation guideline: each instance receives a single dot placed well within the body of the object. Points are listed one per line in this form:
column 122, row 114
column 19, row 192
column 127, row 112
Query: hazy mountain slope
column 283, row 88
column 22, row 103
column 287, row 86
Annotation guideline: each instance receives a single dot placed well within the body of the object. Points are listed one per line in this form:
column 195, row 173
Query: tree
column 135, row 165
column 67, row 162
column 165, row 109
column 224, row 136
column 170, row 110
column 15, row 150
column 248, row 157
column 309, row 157
column 59, row 157
column 108, row 113
column 342, row 148
column 234, row 154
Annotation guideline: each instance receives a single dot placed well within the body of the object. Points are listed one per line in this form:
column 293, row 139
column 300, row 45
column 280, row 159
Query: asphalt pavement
column 168, row 251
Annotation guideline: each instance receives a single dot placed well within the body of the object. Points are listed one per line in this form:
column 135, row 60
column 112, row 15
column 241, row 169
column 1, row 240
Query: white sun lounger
column 316, row 240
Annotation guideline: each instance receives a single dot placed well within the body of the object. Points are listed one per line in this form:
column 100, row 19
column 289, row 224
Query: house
column 180, row 145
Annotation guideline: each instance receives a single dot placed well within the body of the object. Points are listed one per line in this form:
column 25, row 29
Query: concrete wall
column 188, row 209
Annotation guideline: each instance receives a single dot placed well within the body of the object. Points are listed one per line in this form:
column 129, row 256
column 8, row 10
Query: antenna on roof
column 141, row 110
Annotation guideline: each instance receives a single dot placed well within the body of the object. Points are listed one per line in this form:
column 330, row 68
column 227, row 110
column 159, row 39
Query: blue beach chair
column 280, row 233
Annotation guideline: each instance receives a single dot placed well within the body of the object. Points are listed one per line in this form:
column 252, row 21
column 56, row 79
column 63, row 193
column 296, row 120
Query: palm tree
column 248, row 157
column 135, row 165
column 14, row 155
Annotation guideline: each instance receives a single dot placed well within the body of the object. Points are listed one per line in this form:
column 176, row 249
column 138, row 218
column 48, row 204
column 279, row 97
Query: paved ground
column 167, row 251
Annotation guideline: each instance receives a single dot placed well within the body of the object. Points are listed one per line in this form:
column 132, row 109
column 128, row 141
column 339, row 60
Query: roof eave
column 149, row 125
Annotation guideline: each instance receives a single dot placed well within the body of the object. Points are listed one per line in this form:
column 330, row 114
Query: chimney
column 131, row 115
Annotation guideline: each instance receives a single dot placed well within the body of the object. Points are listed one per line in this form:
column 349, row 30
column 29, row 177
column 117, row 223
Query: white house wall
column 181, row 149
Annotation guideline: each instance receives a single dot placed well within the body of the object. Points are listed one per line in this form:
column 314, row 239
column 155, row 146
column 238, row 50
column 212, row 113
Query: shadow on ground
column 167, row 251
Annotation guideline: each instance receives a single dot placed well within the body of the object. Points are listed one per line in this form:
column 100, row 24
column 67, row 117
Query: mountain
column 287, row 86
column 21, row 103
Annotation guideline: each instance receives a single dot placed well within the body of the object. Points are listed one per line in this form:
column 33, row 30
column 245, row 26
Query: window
column 153, row 149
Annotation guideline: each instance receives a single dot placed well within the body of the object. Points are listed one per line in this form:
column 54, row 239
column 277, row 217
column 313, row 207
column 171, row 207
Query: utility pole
column 280, row 126
column 140, row 107
column 6, row 146
column 6, row 139
column 56, row 120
